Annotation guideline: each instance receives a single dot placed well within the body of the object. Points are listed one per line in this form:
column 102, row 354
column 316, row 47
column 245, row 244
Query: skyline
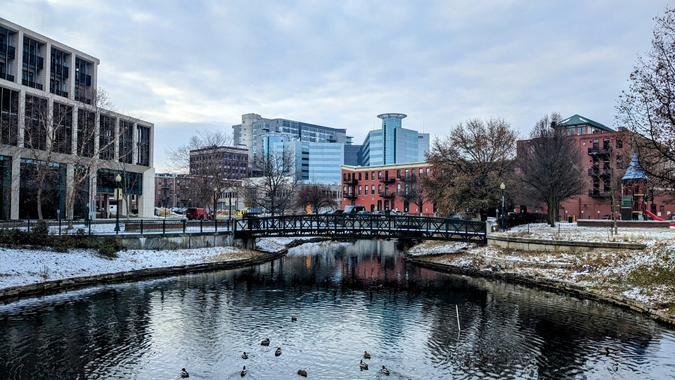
column 341, row 66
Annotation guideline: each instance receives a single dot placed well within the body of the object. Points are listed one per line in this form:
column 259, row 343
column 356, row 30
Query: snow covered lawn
column 276, row 244
column 28, row 266
column 572, row 232
column 646, row 276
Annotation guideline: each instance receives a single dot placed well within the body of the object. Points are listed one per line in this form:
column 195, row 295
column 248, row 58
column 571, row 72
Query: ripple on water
column 348, row 298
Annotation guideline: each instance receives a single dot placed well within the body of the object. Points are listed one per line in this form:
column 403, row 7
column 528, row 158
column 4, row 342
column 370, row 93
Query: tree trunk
column 39, row 202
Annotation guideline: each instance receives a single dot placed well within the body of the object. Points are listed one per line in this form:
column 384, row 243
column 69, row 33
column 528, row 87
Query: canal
column 348, row 298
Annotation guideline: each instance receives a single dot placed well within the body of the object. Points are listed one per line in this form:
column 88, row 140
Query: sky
column 190, row 66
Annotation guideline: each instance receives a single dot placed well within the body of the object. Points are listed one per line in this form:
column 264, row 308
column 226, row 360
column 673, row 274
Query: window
column 619, row 142
column 398, row 173
column 125, row 141
column 9, row 116
column 379, row 174
column 35, row 135
column 360, row 189
column 62, row 124
column 366, row 189
column 143, row 146
column 106, row 137
column 359, row 176
column 366, row 176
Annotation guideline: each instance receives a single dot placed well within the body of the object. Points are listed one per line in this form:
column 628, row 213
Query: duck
column 243, row 372
column 294, row 318
column 366, row 355
column 302, row 372
column 277, row 352
column 244, row 355
column 184, row 373
column 363, row 366
column 384, row 371
column 265, row 342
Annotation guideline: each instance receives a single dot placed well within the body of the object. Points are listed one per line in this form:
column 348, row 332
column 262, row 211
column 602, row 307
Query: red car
column 195, row 213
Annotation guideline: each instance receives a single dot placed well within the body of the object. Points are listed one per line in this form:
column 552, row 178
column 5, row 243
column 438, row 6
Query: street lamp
column 229, row 202
column 502, row 186
column 118, row 195
column 215, row 201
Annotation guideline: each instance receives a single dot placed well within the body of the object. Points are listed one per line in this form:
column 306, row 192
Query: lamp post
column 502, row 186
column 229, row 202
column 215, row 201
column 118, row 193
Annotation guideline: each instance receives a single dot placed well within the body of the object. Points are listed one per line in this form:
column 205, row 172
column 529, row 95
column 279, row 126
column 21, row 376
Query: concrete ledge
column 49, row 287
column 549, row 285
column 623, row 223
column 538, row 245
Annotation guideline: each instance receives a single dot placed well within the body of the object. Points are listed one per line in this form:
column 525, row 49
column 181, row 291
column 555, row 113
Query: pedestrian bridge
column 362, row 227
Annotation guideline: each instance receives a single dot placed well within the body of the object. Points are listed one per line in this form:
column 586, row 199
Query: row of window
column 371, row 189
column 400, row 173
column 38, row 120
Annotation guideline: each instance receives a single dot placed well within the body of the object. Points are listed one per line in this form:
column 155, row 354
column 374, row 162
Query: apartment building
column 50, row 122
column 393, row 144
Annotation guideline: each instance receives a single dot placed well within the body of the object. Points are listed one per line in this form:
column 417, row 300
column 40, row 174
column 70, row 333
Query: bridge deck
column 362, row 226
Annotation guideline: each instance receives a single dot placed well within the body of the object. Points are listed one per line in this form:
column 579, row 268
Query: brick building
column 387, row 187
column 604, row 155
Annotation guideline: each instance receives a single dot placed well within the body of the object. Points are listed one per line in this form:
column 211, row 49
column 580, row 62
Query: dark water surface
column 348, row 298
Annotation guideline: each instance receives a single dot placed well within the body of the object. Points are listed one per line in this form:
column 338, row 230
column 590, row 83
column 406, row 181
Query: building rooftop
column 577, row 119
column 392, row 115
column 634, row 170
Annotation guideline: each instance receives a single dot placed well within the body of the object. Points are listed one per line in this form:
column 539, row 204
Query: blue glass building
column 393, row 144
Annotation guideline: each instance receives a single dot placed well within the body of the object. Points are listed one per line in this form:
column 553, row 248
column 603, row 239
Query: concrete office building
column 253, row 128
column 47, row 116
column 229, row 161
column 393, row 144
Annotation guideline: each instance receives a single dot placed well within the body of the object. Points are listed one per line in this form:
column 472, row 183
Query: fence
column 126, row 226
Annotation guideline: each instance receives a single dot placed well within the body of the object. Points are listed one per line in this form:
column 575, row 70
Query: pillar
column 116, row 139
column 71, row 77
column 134, row 144
column 75, row 130
column 15, row 186
column 146, row 201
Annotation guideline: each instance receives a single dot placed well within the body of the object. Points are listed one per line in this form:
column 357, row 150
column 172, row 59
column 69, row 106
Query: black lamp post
column 215, row 201
column 503, row 220
column 118, row 196
column 229, row 197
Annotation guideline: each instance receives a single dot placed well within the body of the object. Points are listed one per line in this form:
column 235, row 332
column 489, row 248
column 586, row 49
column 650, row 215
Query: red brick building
column 604, row 155
column 387, row 187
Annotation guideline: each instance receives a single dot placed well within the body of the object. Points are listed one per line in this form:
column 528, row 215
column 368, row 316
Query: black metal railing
column 104, row 227
column 362, row 226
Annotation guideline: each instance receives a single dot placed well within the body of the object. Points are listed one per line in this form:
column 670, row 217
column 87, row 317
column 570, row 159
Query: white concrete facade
column 40, row 83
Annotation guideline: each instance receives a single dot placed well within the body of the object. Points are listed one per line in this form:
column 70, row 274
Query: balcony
column 597, row 172
column 351, row 196
column 409, row 179
column 596, row 193
column 352, row 181
column 598, row 151
column 387, row 180
column 387, row 194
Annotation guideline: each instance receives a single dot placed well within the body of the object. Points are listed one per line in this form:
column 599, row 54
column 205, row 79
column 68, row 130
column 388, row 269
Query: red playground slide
column 660, row 219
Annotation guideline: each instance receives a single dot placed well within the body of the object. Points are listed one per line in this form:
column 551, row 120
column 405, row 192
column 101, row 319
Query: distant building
column 352, row 154
column 253, row 129
column 393, row 144
column 604, row 156
column 227, row 161
column 387, row 187
column 46, row 85
column 317, row 162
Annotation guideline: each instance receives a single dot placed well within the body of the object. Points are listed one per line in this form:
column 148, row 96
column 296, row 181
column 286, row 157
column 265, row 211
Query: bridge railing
column 362, row 225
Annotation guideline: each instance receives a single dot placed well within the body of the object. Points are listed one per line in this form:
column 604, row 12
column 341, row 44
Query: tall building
column 317, row 162
column 604, row 156
column 393, row 144
column 254, row 128
column 387, row 187
column 50, row 122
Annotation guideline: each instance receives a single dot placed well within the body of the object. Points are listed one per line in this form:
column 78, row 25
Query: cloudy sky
column 198, row 65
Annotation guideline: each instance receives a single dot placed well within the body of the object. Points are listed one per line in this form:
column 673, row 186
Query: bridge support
column 244, row 242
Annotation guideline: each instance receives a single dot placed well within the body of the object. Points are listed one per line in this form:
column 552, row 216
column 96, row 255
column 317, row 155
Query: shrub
column 105, row 246
column 41, row 229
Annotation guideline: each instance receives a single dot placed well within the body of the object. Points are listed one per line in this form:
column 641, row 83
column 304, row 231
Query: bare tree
column 317, row 196
column 48, row 137
column 275, row 187
column 648, row 106
column 470, row 164
column 209, row 177
column 414, row 193
column 549, row 166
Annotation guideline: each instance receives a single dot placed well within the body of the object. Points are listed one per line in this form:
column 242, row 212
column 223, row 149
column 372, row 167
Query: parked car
column 353, row 209
column 672, row 217
column 195, row 213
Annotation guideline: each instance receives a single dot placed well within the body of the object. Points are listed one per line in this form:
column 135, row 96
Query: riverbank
column 642, row 280
column 29, row 271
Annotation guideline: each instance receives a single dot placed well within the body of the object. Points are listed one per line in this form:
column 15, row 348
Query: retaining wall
column 176, row 241
column 538, row 245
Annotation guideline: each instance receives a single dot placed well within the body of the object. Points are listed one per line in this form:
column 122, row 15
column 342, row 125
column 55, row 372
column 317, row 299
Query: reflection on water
column 348, row 298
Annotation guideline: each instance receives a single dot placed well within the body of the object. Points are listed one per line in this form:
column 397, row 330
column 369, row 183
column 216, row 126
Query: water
column 348, row 298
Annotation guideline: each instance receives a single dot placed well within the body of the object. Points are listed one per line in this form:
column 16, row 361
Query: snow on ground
column 570, row 231
column 437, row 248
column 276, row 244
column 27, row 266
column 646, row 276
